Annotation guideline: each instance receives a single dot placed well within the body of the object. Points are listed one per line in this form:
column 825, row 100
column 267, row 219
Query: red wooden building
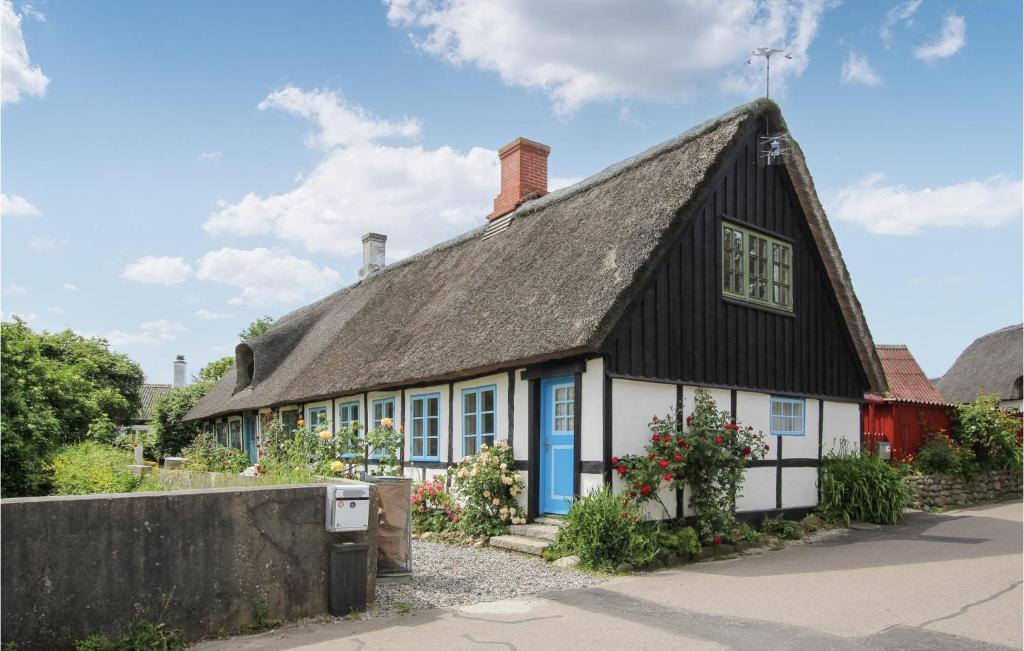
column 908, row 410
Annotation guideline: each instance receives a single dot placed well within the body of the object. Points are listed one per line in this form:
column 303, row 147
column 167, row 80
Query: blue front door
column 249, row 435
column 557, row 441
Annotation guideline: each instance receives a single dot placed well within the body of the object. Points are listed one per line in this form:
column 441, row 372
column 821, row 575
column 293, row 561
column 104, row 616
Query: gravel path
column 446, row 575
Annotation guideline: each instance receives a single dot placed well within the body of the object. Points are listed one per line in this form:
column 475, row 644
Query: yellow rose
column 301, row 422
column 337, row 466
column 385, row 422
column 325, row 435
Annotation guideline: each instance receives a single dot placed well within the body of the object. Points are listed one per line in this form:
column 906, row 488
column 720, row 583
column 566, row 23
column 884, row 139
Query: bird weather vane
column 767, row 53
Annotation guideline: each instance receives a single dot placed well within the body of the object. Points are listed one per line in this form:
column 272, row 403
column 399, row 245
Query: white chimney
column 373, row 254
column 179, row 372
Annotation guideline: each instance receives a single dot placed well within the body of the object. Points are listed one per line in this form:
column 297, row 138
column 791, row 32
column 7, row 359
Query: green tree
column 216, row 369
column 55, row 386
column 171, row 432
column 256, row 328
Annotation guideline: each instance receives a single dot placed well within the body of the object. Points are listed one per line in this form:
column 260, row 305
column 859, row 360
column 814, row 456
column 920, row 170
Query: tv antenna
column 767, row 53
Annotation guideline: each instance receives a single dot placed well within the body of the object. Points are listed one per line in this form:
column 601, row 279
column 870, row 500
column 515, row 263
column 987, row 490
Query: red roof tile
column 907, row 382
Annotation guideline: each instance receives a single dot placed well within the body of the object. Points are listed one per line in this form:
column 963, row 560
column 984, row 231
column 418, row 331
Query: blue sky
column 173, row 170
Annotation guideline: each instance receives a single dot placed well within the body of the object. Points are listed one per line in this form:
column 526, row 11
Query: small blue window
column 787, row 416
column 382, row 408
column 348, row 414
column 425, row 432
column 318, row 419
column 478, row 411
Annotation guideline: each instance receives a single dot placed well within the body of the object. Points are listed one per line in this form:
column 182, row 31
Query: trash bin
column 347, row 578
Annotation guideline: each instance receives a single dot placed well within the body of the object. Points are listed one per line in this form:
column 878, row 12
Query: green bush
column 941, row 456
column 785, row 529
column 141, row 636
column 171, row 432
column 989, row 433
column 860, row 486
column 605, row 530
column 487, row 485
column 204, row 453
column 92, row 467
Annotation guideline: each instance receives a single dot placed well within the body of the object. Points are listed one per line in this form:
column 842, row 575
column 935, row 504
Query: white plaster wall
column 799, row 487
column 754, row 410
column 590, row 482
column 500, row 384
column 842, row 422
column 521, row 438
column 442, row 391
column 806, row 446
column 592, row 411
column 722, row 398
column 758, row 490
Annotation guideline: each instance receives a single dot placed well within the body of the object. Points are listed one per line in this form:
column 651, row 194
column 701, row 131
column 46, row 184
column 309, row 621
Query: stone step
column 542, row 531
column 523, row 544
column 550, row 520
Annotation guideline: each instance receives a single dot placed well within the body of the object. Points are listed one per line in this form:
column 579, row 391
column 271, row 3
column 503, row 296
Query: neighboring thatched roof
column 547, row 287
column 990, row 366
column 150, row 394
column 907, row 382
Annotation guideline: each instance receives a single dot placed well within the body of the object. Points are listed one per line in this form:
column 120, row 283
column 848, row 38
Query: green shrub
column 856, row 485
column 989, row 433
column 92, row 467
column 605, row 530
column 941, row 456
column 204, row 453
column 785, row 529
column 487, row 485
column 141, row 636
column 171, row 431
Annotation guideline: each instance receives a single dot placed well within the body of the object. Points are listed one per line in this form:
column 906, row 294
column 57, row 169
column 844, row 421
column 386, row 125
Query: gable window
column 787, row 417
column 381, row 408
column 756, row 268
column 348, row 415
column 478, row 410
column 426, row 427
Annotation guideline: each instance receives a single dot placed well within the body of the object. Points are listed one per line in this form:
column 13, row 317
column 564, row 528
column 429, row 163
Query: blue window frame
column 348, row 414
column 381, row 408
column 787, row 417
column 318, row 419
column 425, row 432
column 479, row 410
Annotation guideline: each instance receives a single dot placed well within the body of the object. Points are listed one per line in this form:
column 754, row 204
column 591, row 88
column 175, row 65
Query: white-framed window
column 479, row 411
column 756, row 268
column 787, row 417
column 425, row 432
column 348, row 414
column 318, row 417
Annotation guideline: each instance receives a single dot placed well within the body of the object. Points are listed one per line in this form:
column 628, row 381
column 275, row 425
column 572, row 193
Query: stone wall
column 199, row 560
column 945, row 491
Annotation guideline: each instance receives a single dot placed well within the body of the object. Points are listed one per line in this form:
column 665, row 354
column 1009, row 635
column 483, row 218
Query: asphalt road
column 951, row 581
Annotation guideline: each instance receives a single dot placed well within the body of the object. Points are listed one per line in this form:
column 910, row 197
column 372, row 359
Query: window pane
column 487, row 398
column 433, row 406
column 469, row 402
column 432, row 427
column 469, row 424
column 432, row 447
column 488, row 439
column 469, row 445
column 488, row 425
column 417, row 447
column 417, row 408
column 389, row 409
column 417, row 427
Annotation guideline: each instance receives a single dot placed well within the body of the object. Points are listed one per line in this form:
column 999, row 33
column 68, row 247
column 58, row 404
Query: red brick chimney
column 524, row 175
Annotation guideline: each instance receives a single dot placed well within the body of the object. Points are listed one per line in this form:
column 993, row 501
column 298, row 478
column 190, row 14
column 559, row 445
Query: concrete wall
column 78, row 565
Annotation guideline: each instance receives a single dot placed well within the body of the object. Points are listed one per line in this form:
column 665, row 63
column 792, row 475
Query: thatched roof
column 990, row 366
column 907, row 382
column 545, row 288
column 150, row 393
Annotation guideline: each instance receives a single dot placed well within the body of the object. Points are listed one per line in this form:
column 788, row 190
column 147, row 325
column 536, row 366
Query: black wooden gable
column 680, row 328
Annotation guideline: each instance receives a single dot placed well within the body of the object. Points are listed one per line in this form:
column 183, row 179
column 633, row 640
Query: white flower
column 504, row 466
column 512, row 510
column 487, row 493
column 495, row 501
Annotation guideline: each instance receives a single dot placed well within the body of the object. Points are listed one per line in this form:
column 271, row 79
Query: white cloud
column 857, row 69
column 266, row 276
column 897, row 210
column 210, row 315
column 947, row 43
column 31, row 12
column 158, row 270
column 70, row 287
column 610, row 50
column 339, row 124
column 11, row 205
column 16, row 290
column 154, row 333
column 417, row 196
column 901, row 13
column 210, row 156
column 44, row 244
column 17, row 74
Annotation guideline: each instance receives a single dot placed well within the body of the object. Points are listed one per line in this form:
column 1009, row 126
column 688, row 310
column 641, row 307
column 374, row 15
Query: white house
column 569, row 319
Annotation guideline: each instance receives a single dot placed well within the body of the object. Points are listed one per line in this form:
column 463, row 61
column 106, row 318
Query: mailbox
column 348, row 507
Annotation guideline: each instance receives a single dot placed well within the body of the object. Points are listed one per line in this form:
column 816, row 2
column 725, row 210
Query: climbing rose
column 679, row 457
column 689, row 419
column 746, row 451
column 663, row 463
column 718, row 440
column 668, row 476
column 767, row 447
column 615, row 461
column 650, row 457
column 646, row 489
column 680, row 442
column 655, row 438
column 666, row 439
column 622, row 470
